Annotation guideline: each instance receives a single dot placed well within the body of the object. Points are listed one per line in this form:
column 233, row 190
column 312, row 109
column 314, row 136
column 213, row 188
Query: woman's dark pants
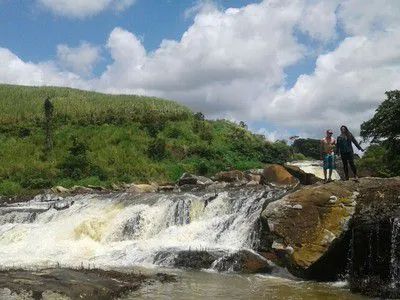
column 348, row 159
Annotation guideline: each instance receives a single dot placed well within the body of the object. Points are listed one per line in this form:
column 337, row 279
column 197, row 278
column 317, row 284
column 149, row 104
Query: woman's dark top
column 343, row 144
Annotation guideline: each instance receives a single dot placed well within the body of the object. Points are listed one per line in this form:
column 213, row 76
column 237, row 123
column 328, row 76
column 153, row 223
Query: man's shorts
column 329, row 161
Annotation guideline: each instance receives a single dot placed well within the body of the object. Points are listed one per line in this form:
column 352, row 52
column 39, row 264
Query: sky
column 285, row 67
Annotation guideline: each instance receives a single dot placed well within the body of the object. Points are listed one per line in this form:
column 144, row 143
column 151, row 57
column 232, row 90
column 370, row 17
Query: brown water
column 205, row 285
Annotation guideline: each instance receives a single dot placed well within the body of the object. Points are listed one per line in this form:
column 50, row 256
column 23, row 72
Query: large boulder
column 375, row 255
column 308, row 229
column 230, row 176
column 302, row 176
column 188, row 259
column 190, row 179
column 277, row 174
column 243, row 261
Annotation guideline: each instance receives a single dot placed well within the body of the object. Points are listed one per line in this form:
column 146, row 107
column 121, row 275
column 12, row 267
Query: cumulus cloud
column 233, row 63
column 80, row 60
column 13, row 70
column 83, row 8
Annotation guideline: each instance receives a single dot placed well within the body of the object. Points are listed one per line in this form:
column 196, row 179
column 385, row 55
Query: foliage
column 374, row 162
column 307, row 147
column 157, row 149
column 384, row 128
column 101, row 139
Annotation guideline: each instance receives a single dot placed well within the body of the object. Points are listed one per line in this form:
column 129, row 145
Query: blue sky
column 33, row 33
column 283, row 66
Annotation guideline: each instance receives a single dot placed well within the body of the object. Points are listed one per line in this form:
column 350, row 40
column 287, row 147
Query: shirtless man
column 328, row 145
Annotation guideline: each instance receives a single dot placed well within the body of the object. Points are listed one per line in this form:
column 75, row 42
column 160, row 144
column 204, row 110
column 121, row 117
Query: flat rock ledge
column 74, row 284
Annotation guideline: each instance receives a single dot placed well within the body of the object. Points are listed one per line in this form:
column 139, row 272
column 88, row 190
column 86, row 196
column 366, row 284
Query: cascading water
column 125, row 230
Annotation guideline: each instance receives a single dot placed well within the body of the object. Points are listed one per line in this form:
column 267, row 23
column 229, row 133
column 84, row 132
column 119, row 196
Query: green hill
column 100, row 139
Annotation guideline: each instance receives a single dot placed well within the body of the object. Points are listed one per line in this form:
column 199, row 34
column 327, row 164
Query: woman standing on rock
column 344, row 148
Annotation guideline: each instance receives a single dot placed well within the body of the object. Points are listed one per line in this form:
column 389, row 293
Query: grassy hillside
column 101, row 139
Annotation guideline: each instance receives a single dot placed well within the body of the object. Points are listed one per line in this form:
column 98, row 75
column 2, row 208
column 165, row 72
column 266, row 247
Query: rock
column 96, row 187
column 243, row 261
column 252, row 183
column 303, row 177
column 115, row 187
column 189, row 259
column 81, row 189
column 375, row 267
column 230, row 176
column 278, row 175
column 190, row 179
column 315, row 234
column 143, row 188
column 254, row 178
column 74, row 283
column 297, row 206
column 333, row 199
column 166, row 188
column 60, row 189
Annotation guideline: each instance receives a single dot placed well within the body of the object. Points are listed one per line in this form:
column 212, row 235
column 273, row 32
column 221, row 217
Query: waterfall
column 123, row 230
column 394, row 253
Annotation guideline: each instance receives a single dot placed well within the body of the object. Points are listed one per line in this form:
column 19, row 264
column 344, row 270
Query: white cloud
column 84, row 8
column 231, row 63
column 15, row 71
column 365, row 17
column 80, row 60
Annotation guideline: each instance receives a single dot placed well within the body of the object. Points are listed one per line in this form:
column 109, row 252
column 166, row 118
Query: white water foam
column 123, row 230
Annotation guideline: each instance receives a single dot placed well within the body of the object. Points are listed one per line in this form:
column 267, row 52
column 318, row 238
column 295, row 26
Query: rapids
column 124, row 230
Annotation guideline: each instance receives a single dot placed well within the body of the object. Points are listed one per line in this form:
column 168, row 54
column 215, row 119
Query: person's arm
column 337, row 146
column 356, row 143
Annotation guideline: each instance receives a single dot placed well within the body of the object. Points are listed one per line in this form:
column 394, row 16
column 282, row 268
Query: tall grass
column 128, row 139
column 20, row 105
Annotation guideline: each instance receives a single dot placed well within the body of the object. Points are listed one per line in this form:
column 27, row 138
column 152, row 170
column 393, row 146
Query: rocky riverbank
column 60, row 283
column 250, row 222
column 343, row 229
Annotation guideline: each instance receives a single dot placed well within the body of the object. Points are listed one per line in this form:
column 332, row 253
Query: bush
column 307, row 147
column 298, row 156
column 9, row 188
column 157, row 149
column 374, row 162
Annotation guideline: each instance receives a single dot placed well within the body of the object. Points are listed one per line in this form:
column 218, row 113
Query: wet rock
column 277, row 174
column 97, row 187
column 143, row 188
column 75, row 284
column 189, row 259
column 312, row 228
column 166, row 188
column 190, row 179
column 303, row 177
column 230, row 176
column 80, row 189
column 243, row 261
column 254, row 178
column 60, row 189
column 375, row 255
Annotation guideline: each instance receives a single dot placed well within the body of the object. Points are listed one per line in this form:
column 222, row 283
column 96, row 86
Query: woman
column 345, row 150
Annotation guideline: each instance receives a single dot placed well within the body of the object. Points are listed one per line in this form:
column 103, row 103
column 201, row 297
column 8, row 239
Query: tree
column 48, row 122
column 307, row 147
column 384, row 128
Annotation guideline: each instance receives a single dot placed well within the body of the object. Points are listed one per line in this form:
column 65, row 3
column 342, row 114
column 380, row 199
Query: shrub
column 9, row 188
column 157, row 149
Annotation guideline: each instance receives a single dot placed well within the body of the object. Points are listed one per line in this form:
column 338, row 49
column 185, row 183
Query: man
column 328, row 145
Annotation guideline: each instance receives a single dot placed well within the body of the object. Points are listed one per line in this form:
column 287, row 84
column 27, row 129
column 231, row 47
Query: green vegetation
column 87, row 138
column 382, row 158
column 308, row 147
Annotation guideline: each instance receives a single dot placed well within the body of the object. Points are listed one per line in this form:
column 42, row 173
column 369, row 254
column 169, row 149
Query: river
column 125, row 231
